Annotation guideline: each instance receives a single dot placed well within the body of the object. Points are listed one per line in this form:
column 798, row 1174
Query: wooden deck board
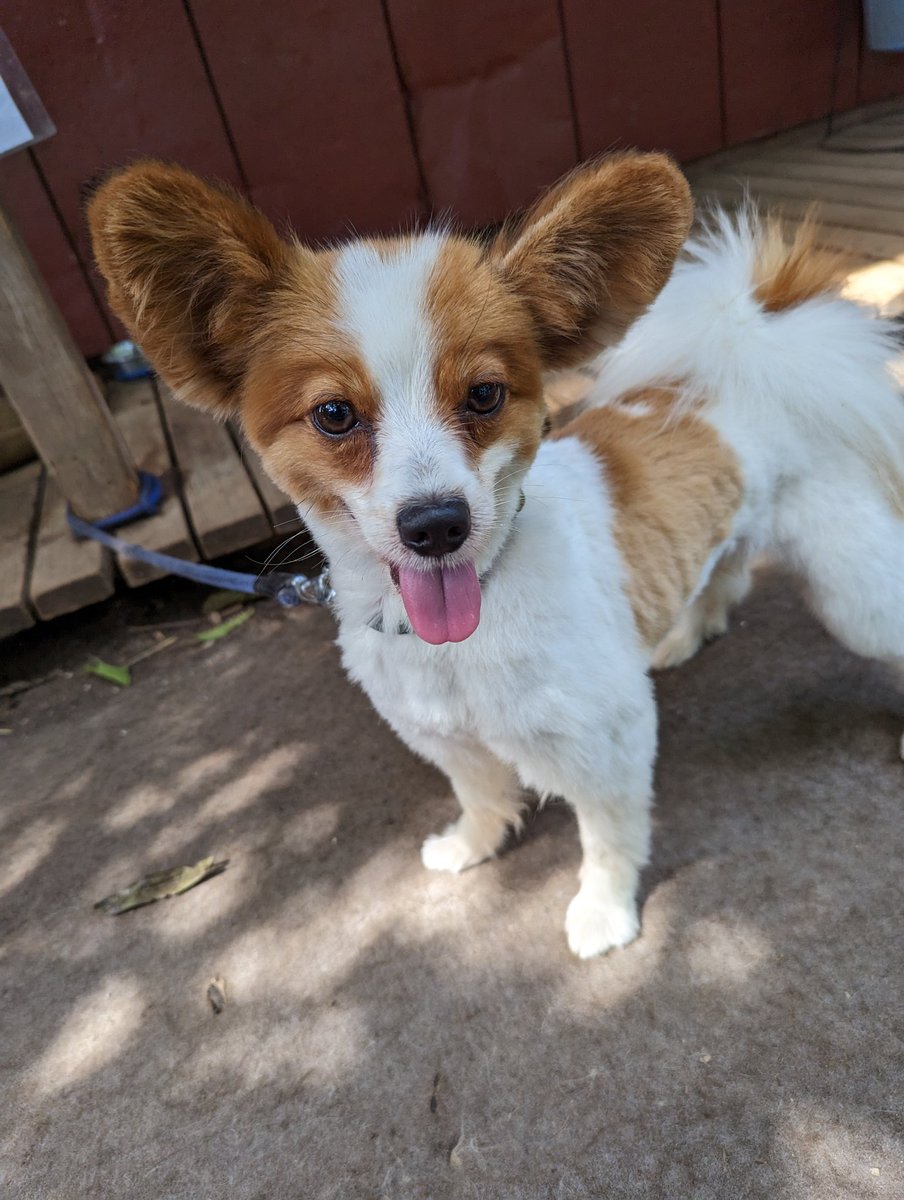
column 803, row 157
column 223, row 507
column 796, row 198
column 867, row 163
column 66, row 574
column 881, row 138
column 829, row 170
column 19, row 496
column 138, row 417
column 865, row 195
column 863, row 243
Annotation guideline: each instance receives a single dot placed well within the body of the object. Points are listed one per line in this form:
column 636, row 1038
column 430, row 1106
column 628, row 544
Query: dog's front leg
column 605, row 772
column 615, row 840
column 490, row 797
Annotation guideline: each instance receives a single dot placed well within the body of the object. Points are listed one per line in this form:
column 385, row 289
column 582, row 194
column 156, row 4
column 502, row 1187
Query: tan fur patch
column 305, row 360
column 675, row 486
column 280, row 396
column 483, row 333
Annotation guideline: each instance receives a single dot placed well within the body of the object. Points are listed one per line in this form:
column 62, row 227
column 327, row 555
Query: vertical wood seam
column 720, row 50
column 861, row 55
column 837, row 60
column 178, row 481
column 240, row 451
column 407, row 106
column 217, row 99
column 569, row 82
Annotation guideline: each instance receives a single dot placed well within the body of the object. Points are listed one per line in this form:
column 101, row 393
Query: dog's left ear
column 595, row 251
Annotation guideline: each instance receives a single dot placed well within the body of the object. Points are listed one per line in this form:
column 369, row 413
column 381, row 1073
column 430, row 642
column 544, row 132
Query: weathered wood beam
column 54, row 393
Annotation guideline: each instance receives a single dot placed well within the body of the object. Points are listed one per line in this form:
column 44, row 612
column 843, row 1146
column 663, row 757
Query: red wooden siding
column 778, row 62
column 311, row 96
column 881, row 77
column 488, row 88
column 365, row 114
column 119, row 80
column 47, row 239
column 646, row 74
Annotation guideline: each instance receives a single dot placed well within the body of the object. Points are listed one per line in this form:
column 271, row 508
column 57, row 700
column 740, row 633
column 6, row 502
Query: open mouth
column 442, row 602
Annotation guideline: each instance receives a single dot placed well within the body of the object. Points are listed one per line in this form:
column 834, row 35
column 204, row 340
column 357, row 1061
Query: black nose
column 435, row 528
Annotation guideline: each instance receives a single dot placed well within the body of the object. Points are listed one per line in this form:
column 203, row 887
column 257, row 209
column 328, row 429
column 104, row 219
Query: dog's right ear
column 189, row 267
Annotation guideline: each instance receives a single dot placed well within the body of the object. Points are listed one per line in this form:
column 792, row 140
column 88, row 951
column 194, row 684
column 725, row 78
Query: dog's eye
column 335, row 417
column 486, row 398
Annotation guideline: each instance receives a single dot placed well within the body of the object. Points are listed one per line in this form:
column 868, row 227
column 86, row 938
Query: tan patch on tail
column 786, row 274
column 676, row 487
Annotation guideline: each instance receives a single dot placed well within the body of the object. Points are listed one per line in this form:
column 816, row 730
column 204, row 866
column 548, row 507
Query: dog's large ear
column 189, row 267
column 595, row 251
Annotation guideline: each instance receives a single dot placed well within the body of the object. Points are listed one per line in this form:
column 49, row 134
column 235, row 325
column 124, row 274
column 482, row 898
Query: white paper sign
column 13, row 129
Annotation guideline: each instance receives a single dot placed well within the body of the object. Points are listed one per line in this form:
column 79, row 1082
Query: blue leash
column 287, row 589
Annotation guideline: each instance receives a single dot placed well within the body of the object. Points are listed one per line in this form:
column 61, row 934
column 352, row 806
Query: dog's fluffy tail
column 751, row 324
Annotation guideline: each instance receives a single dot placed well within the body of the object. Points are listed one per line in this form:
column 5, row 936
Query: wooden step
column 223, row 508
column 66, row 574
column 136, row 412
column 20, row 494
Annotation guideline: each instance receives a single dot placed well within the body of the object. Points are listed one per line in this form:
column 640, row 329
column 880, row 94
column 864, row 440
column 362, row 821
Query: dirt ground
column 391, row 1033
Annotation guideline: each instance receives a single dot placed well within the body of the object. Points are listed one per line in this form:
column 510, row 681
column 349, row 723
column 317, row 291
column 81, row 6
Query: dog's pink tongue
column 443, row 605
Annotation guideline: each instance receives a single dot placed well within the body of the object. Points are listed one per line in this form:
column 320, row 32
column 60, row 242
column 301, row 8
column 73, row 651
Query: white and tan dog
column 394, row 388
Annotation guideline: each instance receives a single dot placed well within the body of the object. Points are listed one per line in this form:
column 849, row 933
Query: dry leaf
column 160, row 885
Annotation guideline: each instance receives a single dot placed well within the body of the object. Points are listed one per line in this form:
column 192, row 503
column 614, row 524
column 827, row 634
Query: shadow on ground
column 388, row 1033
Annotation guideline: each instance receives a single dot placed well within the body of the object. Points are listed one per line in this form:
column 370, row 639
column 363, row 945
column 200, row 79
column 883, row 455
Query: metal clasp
column 306, row 589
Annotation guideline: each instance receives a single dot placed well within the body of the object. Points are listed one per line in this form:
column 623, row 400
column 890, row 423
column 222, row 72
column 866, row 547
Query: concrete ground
column 390, row 1033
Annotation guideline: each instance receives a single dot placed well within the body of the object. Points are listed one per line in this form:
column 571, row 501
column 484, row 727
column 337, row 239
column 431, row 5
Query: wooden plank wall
column 370, row 114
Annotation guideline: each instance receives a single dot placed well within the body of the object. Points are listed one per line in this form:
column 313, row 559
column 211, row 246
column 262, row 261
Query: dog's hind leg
column 847, row 543
column 490, row 797
column 706, row 617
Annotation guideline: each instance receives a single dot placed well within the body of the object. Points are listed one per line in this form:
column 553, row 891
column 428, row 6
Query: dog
column 502, row 595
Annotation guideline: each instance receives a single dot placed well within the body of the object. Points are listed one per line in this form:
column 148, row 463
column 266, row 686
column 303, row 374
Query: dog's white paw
column 451, row 851
column 595, row 925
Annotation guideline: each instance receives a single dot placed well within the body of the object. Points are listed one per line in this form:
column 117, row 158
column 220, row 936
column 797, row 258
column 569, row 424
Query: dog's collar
column 376, row 622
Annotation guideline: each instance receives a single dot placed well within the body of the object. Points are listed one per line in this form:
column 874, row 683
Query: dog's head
column 390, row 385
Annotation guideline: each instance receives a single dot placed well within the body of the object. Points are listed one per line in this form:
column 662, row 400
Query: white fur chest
column 556, row 631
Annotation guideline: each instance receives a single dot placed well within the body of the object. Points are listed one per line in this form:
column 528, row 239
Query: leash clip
column 305, row 589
